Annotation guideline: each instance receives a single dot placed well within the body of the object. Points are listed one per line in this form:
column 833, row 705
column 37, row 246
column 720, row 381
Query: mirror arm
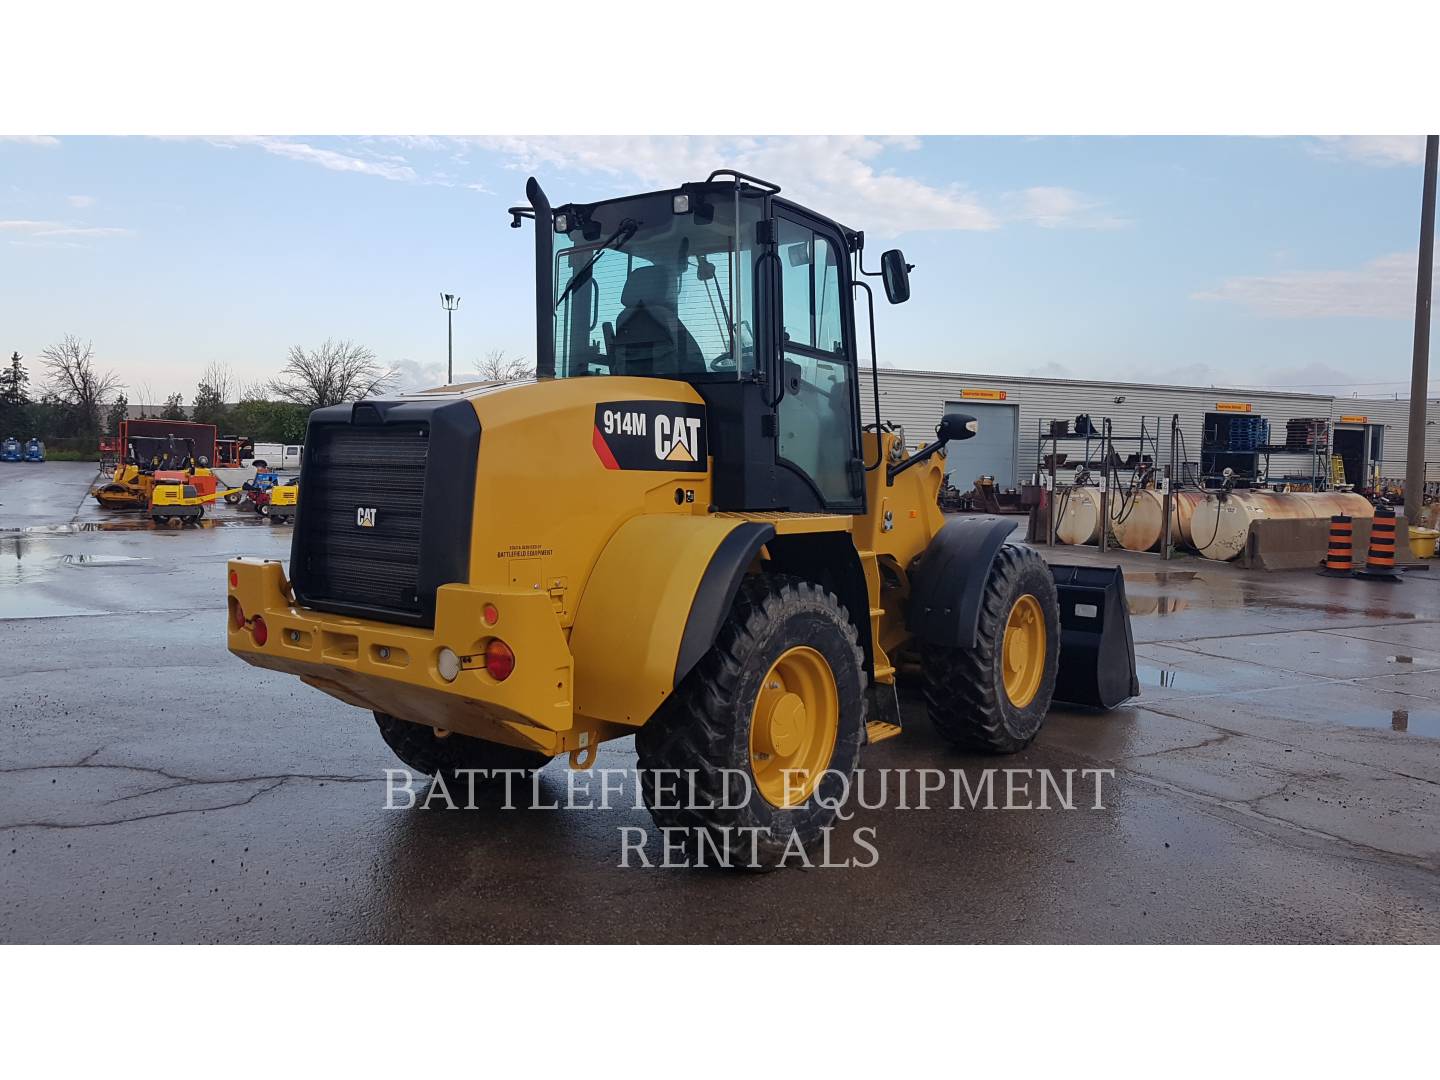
column 860, row 256
column 925, row 453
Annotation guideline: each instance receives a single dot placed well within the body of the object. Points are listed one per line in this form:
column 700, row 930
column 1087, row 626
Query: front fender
column 948, row 580
column 652, row 607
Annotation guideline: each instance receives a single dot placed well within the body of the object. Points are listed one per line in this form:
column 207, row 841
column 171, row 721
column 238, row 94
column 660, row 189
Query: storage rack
column 1098, row 444
column 1310, row 436
column 1232, row 441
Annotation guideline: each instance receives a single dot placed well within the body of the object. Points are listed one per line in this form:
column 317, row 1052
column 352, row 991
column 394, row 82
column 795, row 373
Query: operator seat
column 649, row 337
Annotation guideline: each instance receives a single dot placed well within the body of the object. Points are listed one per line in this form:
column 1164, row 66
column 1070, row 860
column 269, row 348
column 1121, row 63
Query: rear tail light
column 237, row 614
column 499, row 660
column 258, row 630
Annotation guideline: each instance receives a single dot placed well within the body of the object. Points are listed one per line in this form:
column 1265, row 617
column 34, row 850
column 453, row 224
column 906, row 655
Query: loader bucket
column 1097, row 649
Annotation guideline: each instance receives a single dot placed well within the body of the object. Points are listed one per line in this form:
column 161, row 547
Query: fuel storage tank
column 1138, row 522
column 1220, row 524
column 1077, row 519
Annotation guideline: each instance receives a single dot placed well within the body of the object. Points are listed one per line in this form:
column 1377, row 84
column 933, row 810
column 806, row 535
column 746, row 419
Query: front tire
column 754, row 751
column 418, row 746
column 993, row 698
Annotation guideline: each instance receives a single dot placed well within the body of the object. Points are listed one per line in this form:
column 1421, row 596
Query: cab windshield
column 658, row 285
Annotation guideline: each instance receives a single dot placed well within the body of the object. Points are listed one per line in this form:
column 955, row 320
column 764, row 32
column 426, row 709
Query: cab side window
column 816, row 426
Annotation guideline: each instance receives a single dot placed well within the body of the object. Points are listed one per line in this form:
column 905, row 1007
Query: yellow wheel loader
column 680, row 529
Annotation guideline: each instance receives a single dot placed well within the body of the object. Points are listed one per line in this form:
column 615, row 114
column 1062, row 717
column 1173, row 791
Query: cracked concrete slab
column 153, row 788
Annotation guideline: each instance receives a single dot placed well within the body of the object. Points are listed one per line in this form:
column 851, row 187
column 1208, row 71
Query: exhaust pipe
column 544, row 281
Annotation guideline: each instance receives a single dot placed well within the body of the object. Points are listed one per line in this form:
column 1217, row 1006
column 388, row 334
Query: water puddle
column 1163, row 577
column 1422, row 722
column 139, row 524
column 102, row 560
column 1155, row 605
column 20, row 572
column 1153, row 676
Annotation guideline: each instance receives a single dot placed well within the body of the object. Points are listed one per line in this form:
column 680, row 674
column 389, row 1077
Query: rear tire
column 422, row 750
column 971, row 699
column 782, row 687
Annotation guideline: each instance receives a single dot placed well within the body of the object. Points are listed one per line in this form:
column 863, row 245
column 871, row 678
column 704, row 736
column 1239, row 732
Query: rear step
column 883, row 704
column 879, row 731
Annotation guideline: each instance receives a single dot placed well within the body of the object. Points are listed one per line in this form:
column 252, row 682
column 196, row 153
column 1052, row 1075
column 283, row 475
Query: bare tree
column 221, row 379
column 495, row 366
column 75, row 382
column 145, row 395
column 337, row 371
column 254, row 391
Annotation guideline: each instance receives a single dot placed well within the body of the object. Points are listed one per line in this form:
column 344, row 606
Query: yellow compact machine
column 176, row 502
column 680, row 530
column 280, row 504
column 131, row 484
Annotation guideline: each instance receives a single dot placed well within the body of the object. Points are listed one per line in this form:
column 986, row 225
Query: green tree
column 209, row 406
column 269, row 421
column 216, row 384
column 119, row 411
column 174, row 408
column 15, row 408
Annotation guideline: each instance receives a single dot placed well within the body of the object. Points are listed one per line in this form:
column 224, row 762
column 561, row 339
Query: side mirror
column 896, row 273
column 955, row 427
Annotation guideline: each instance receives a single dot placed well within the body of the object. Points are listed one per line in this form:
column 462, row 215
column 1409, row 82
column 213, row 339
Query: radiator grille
column 349, row 471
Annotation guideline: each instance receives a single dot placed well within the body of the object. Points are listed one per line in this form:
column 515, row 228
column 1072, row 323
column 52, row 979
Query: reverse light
column 448, row 664
column 499, row 660
column 259, row 631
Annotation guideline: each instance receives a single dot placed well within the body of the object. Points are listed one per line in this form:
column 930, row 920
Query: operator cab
column 742, row 294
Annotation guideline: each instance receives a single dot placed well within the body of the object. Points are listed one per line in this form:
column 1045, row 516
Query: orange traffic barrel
column 1380, row 561
column 1339, row 557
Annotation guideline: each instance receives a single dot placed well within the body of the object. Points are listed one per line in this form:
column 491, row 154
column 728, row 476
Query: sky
column 1247, row 262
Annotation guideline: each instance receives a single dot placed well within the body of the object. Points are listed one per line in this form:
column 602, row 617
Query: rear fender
column 948, row 580
column 652, row 608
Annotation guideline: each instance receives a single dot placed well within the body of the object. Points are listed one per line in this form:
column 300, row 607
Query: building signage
column 1233, row 406
column 984, row 395
column 1354, row 419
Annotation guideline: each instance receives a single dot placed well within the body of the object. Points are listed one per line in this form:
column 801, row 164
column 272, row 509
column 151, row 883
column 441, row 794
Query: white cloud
column 61, row 228
column 386, row 166
column 837, row 175
column 411, row 375
column 80, row 202
column 1382, row 288
column 1375, row 149
column 31, row 140
column 1061, row 208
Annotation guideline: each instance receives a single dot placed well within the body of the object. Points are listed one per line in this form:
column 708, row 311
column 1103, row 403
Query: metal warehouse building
column 1013, row 411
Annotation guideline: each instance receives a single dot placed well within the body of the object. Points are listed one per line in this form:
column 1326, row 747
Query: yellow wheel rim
column 793, row 726
column 1024, row 651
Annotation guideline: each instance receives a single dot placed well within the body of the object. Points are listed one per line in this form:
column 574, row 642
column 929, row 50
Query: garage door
column 991, row 452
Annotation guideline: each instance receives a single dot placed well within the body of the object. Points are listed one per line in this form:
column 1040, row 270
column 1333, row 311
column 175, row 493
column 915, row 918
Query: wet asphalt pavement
column 1277, row 781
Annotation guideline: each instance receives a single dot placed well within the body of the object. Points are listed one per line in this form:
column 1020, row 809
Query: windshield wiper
column 628, row 227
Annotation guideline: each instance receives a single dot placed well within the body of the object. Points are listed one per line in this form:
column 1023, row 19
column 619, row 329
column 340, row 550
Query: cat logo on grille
column 365, row 517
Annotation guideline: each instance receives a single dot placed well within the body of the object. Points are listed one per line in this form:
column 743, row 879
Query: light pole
column 449, row 302
column 1420, row 368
